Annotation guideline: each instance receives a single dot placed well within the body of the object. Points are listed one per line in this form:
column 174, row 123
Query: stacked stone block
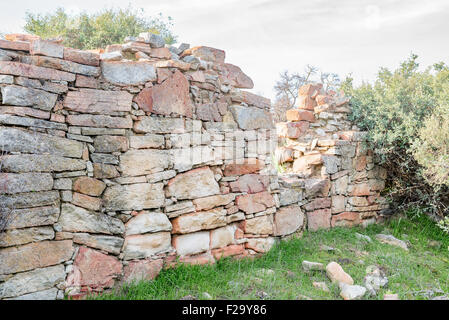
column 116, row 163
column 327, row 168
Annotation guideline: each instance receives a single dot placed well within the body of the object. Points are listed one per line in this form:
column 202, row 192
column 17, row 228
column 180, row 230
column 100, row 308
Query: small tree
column 91, row 31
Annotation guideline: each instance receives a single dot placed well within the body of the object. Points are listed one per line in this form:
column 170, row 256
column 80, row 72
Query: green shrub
column 405, row 112
column 91, row 31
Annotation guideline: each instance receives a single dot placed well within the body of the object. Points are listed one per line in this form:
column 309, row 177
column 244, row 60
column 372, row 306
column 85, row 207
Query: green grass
column 411, row 274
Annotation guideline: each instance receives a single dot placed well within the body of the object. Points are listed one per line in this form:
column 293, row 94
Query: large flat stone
column 250, row 165
column 98, row 101
column 236, row 77
column 210, row 202
column 143, row 162
column 259, row 225
column 16, row 237
column 203, row 220
column 159, row 125
column 49, row 86
column 193, row 243
column 170, row 97
column 34, row 255
column 83, row 57
column 94, row 270
column 134, row 196
column 250, row 99
column 33, row 217
column 106, row 243
column 206, row 54
column 288, row 220
column 15, row 140
column 257, row 202
column 63, row 65
column 12, row 120
column 143, row 270
column 29, row 199
column 250, row 118
column 196, row 183
column 21, row 96
column 147, row 141
column 185, row 158
column 48, row 294
column 128, row 73
column 25, row 182
column 76, row 219
column 99, row 121
column 148, row 223
column 46, row 48
column 32, row 281
column 146, row 245
column 40, row 163
column 35, row 72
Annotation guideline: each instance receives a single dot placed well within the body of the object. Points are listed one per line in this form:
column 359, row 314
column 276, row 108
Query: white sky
column 265, row 37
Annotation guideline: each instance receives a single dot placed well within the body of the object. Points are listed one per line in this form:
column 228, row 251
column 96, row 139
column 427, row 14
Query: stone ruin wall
column 117, row 163
column 326, row 166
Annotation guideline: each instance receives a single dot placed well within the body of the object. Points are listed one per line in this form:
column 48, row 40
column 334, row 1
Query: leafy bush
column 406, row 114
column 91, row 31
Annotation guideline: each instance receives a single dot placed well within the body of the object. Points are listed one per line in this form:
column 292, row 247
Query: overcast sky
column 265, row 37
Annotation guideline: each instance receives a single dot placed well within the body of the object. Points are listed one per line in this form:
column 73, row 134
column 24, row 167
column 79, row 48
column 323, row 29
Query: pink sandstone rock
column 87, row 202
column 250, row 165
column 252, row 203
column 287, row 220
column 94, row 269
column 35, row 72
column 300, row 115
column 170, row 97
column 336, row 274
column 228, row 251
column 362, row 189
column 346, row 219
column 15, row 45
column 206, row 54
column 236, row 77
column 161, row 53
column 98, row 101
column 83, row 57
column 162, row 74
column 318, row 203
column 262, row 225
column 142, row 270
column 250, row 183
column 201, row 259
column 89, row 186
column 319, row 219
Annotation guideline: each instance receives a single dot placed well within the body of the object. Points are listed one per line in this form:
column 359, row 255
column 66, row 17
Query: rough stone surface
column 145, row 270
column 143, row 162
column 259, row 225
column 89, row 186
column 128, row 73
column 40, row 163
column 94, row 270
column 202, row 220
column 34, row 255
column 249, row 118
column 98, row 101
column 337, row 275
column 25, row 182
column 34, row 72
column 146, row 245
column 191, row 243
column 76, row 219
column 389, row 239
column 105, row 243
column 21, row 96
column 32, row 281
column 137, row 196
column 193, row 184
column 287, row 220
column 148, row 222
column 257, row 202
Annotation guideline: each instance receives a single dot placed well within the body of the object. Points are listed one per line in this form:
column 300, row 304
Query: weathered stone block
column 98, row 101
column 46, row 48
column 287, row 220
column 83, row 57
column 210, row 202
column 319, row 219
column 76, row 219
column 144, row 270
column 21, row 96
column 192, row 243
column 146, row 245
column 94, row 270
column 14, row 140
column 222, row 237
column 246, row 166
column 259, row 225
column 206, row 54
column 111, row 144
column 193, row 184
column 128, row 72
column 99, row 121
column 202, row 220
column 34, row 255
column 134, row 196
column 16, row 237
column 32, row 281
column 33, row 217
column 159, row 125
column 29, row 200
column 250, row 183
column 30, row 71
column 170, row 97
column 235, row 76
column 105, row 243
column 143, row 162
column 25, row 182
column 147, row 141
column 249, row 118
column 85, row 201
column 148, row 222
column 89, row 186
column 257, row 202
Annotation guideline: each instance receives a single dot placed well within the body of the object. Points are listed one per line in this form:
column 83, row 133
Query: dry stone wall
column 327, row 168
column 117, row 163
